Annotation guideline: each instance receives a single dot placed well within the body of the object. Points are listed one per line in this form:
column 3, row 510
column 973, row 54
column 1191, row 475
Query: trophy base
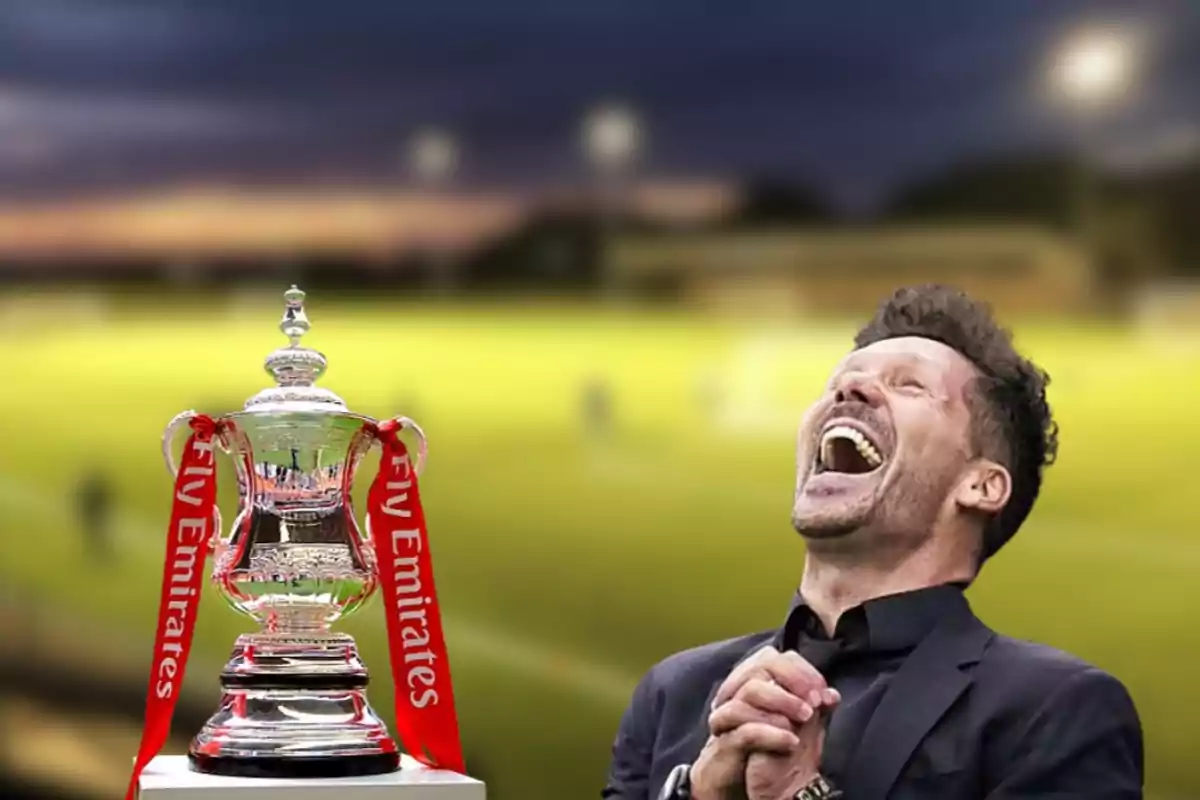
column 294, row 707
column 284, row 767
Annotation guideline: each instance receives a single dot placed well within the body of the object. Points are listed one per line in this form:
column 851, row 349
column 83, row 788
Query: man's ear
column 985, row 487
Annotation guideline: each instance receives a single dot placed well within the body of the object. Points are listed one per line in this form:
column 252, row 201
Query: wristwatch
column 818, row 789
column 679, row 787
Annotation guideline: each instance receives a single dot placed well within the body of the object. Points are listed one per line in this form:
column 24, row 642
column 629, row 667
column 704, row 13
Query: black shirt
column 859, row 660
column 971, row 714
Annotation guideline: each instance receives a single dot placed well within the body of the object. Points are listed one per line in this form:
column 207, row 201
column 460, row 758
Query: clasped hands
column 766, row 731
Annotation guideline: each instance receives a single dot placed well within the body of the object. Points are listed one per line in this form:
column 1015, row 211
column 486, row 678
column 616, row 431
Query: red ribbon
column 193, row 524
column 426, row 720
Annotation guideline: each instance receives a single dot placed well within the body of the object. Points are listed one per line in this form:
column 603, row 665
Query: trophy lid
column 295, row 368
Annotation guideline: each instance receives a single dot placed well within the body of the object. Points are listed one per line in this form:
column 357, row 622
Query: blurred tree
column 1038, row 188
column 1177, row 193
column 552, row 251
column 1142, row 224
column 775, row 201
column 1129, row 237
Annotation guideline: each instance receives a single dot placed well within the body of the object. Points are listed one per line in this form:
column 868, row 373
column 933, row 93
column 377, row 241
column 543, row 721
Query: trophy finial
column 295, row 368
column 295, row 365
column 295, row 322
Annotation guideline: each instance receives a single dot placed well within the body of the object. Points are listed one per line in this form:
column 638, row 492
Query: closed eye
column 909, row 383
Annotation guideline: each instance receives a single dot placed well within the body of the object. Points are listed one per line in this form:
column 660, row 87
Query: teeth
column 861, row 443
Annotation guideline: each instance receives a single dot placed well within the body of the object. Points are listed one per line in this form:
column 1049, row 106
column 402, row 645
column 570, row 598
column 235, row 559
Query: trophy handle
column 422, row 454
column 180, row 420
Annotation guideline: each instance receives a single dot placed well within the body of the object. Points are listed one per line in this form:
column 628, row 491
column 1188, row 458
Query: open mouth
column 847, row 450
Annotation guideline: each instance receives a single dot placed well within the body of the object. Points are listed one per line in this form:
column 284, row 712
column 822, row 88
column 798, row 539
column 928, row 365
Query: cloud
column 73, row 22
column 128, row 118
column 1166, row 145
column 852, row 93
column 27, row 151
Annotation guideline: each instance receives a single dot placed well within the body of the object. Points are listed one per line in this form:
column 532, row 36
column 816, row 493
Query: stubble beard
column 834, row 523
column 904, row 508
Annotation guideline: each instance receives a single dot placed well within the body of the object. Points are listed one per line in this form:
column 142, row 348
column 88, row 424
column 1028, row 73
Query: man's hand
column 771, row 776
column 764, row 706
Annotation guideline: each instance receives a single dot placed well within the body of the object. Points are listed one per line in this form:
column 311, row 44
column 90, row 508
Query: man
column 597, row 406
column 921, row 459
column 94, row 500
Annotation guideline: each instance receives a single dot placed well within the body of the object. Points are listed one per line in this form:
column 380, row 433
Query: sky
column 853, row 96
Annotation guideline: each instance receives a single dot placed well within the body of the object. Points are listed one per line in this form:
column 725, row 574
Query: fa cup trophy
column 295, row 561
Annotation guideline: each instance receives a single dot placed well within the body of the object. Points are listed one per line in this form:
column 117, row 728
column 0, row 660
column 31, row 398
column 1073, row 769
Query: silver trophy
column 295, row 561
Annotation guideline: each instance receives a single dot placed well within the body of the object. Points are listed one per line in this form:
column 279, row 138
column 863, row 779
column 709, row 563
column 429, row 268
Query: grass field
column 569, row 563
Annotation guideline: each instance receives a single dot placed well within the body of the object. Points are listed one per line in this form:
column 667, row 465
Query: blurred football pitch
column 571, row 559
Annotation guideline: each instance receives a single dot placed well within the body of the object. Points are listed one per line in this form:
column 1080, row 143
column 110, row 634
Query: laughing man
column 921, row 459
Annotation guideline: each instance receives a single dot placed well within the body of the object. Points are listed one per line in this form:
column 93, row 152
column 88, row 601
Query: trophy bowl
column 296, row 562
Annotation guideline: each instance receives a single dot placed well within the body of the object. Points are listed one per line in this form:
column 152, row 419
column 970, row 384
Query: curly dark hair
column 1011, row 420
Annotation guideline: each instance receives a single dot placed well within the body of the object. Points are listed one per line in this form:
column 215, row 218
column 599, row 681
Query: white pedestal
column 170, row 778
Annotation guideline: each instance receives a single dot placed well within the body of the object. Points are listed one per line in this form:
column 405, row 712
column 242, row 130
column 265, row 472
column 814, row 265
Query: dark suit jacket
column 970, row 714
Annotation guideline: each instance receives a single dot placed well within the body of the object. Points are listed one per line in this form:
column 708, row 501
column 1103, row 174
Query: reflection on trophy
column 295, row 561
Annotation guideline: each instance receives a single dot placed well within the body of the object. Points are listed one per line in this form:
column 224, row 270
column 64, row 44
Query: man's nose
column 858, row 389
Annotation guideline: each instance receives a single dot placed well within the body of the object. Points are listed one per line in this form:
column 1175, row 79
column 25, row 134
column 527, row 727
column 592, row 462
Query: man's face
column 886, row 442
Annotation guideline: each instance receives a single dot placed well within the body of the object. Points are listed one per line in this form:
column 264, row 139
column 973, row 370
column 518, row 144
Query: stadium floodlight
column 433, row 156
column 1094, row 67
column 611, row 137
column 1092, row 70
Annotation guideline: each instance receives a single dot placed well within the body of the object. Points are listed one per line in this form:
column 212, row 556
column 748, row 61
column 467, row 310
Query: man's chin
column 827, row 518
column 832, row 503
column 824, row 529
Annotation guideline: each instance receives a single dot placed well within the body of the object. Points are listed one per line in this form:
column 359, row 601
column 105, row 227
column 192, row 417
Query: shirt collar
column 890, row 623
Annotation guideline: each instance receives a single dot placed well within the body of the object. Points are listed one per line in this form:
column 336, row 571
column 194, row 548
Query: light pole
column 1091, row 72
column 433, row 158
column 612, row 139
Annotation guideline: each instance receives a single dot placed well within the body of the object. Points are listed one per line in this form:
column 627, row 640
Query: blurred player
column 94, row 499
column 597, row 406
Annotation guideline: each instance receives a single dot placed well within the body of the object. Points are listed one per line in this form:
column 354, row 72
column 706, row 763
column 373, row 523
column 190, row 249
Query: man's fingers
column 750, row 668
column 790, row 670
column 774, row 698
column 760, row 737
column 737, row 713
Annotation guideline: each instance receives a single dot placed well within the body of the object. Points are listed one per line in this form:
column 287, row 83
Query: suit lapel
column 699, row 734
column 923, row 689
